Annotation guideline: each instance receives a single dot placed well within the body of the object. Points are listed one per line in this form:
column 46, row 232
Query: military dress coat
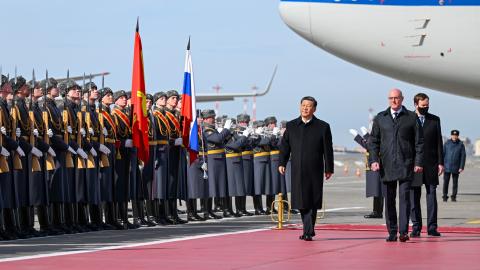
column 310, row 148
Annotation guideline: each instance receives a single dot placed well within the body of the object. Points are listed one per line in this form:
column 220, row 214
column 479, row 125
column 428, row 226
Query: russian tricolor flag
column 189, row 112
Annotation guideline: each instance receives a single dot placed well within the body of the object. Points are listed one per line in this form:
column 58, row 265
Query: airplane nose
column 296, row 15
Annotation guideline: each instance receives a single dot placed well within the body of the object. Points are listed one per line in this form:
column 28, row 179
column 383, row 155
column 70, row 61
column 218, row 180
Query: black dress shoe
column 234, row 214
column 307, row 238
column 373, row 215
column 392, row 238
column 415, row 233
column 294, row 212
column 434, row 233
column 246, row 213
column 259, row 212
column 404, row 237
column 454, row 199
column 178, row 220
column 213, row 215
column 226, row 214
column 198, row 217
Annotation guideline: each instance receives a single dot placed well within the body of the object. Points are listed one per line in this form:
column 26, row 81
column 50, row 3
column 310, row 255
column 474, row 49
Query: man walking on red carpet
column 308, row 140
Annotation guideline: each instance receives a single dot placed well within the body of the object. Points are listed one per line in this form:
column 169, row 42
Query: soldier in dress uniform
column 122, row 159
column 217, row 173
column 6, row 179
column 60, row 175
column 175, row 146
column 197, row 179
column 22, row 162
column 243, row 121
column 161, row 166
column 274, row 186
column 147, row 173
column 39, row 178
column 107, row 173
column 235, row 173
column 261, row 165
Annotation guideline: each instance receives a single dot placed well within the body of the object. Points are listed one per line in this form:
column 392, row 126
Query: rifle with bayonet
column 80, row 160
column 88, row 123
column 66, row 135
column 3, row 160
column 35, row 160
column 49, row 162
column 17, row 162
column 103, row 157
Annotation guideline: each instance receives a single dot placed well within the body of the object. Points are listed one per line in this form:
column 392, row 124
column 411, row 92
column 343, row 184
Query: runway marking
column 55, row 254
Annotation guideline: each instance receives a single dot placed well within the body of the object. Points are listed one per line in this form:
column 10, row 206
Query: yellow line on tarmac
column 477, row 221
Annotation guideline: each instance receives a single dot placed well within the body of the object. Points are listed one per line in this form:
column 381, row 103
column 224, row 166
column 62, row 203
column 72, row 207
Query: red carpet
column 335, row 247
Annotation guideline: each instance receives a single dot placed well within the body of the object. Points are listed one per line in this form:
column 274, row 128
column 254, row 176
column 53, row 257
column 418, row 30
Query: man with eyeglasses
column 396, row 150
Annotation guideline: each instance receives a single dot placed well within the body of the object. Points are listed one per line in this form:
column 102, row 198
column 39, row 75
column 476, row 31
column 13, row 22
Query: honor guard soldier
column 161, row 167
column 236, row 183
column 60, row 175
column 243, row 121
column 197, row 179
column 6, row 179
column 274, row 186
column 107, row 171
column 148, row 171
column 175, row 146
column 21, row 161
column 39, row 180
column 261, row 166
column 217, row 170
column 122, row 159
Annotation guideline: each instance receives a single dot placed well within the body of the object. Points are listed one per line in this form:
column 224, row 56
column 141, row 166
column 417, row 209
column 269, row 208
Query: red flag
column 139, row 102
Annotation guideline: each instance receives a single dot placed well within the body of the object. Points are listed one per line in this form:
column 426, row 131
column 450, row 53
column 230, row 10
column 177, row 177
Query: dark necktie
column 395, row 115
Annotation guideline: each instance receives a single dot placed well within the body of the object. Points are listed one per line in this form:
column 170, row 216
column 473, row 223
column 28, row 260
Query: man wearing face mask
column 433, row 167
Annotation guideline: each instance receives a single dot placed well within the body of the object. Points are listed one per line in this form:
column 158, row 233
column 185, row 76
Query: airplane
column 211, row 97
column 430, row 43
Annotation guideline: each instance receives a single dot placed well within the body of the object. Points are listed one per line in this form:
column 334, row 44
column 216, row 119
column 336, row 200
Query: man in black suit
column 433, row 167
column 396, row 150
column 309, row 141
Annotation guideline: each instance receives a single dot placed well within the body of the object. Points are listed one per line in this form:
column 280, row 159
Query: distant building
column 477, row 148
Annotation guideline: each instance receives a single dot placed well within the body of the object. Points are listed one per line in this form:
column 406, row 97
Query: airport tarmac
column 343, row 219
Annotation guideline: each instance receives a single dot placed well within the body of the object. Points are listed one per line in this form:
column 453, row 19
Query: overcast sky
column 235, row 44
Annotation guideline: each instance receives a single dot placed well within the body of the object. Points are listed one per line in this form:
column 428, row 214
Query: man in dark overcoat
column 396, row 150
column 433, row 167
column 308, row 140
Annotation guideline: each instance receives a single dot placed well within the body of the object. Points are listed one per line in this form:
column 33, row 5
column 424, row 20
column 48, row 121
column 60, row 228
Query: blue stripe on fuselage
column 396, row 2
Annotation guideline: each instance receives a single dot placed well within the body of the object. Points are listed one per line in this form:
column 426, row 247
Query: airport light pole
column 254, row 103
column 217, row 103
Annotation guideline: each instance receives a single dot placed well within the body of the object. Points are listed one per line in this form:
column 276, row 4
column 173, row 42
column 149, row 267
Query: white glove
column 20, row 151
column 82, row 153
column 219, row 130
column 69, row 129
column 128, row 143
column 35, row 132
column 70, row 149
column 364, row 130
column 104, row 149
column 90, row 130
column 3, row 130
column 276, row 131
column 105, row 132
column 353, row 132
column 37, row 152
column 93, row 152
column 50, row 132
column 51, row 152
column 228, row 124
column 246, row 132
column 204, row 166
column 178, row 141
column 83, row 132
column 18, row 132
column 259, row 131
column 5, row 152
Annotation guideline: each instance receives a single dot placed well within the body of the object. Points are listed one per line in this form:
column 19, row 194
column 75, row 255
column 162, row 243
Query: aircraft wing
column 212, row 97
column 87, row 77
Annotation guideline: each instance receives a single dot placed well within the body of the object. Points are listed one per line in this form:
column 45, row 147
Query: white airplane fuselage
column 434, row 44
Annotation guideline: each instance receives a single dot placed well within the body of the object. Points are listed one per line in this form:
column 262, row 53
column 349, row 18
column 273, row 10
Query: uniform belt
column 152, row 142
column 108, row 140
column 261, row 154
column 95, row 139
column 217, row 151
column 202, row 153
column 26, row 138
column 231, row 155
column 275, row 152
column 246, row 153
column 162, row 142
